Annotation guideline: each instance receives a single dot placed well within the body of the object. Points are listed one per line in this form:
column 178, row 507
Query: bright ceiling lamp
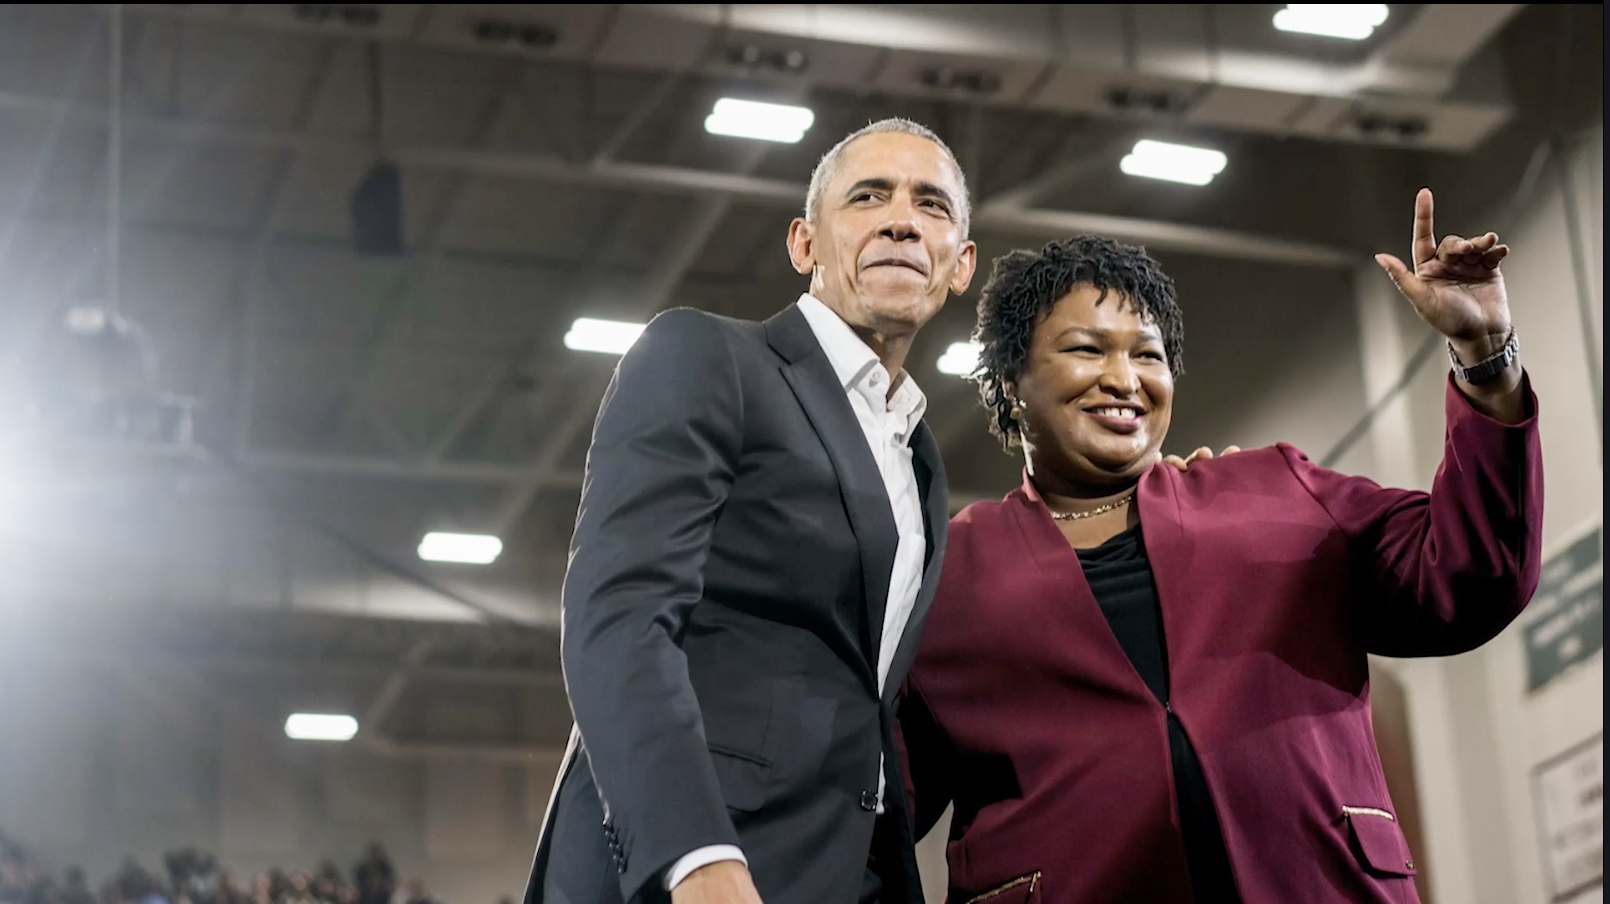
column 961, row 359
column 469, row 549
column 612, row 337
column 1350, row 21
column 761, row 121
column 320, row 727
column 1173, row 162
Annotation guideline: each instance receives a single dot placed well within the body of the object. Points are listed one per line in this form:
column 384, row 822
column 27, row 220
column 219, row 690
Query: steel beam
column 470, row 751
column 674, row 180
column 262, row 666
column 1156, row 235
column 328, row 463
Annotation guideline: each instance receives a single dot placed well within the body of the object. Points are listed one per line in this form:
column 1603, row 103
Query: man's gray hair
column 828, row 167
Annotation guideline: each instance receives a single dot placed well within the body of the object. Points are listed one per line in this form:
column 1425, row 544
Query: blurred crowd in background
column 193, row 877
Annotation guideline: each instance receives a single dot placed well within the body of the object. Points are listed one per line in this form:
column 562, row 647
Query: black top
column 1120, row 577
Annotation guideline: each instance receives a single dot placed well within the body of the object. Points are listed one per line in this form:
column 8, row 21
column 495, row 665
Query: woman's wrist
column 1474, row 350
column 1500, row 397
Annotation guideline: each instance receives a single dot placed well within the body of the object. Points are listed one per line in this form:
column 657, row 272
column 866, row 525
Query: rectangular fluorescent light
column 470, row 549
column 320, row 727
column 961, row 359
column 1350, row 21
column 1173, row 162
column 612, row 337
column 761, row 121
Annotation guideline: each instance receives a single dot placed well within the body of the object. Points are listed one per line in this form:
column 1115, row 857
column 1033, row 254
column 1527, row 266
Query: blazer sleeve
column 1443, row 572
column 664, row 454
column 927, row 757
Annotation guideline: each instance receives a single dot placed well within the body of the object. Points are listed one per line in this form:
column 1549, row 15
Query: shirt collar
column 854, row 363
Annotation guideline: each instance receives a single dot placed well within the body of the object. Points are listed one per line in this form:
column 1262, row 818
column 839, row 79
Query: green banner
column 1566, row 624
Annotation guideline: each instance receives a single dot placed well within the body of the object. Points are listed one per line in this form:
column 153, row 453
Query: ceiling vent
column 526, row 35
column 1376, row 125
column 1147, row 102
column 976, row 82
column 356, row 16
column 753, row 58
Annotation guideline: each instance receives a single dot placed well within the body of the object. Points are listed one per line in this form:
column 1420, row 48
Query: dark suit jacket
column 722, row 615
column 1275, row 578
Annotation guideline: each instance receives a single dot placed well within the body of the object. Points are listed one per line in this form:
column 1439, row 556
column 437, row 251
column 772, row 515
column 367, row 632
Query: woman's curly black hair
column 1023, row 288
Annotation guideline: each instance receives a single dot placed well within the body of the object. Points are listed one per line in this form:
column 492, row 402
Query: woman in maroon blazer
column 1142, row 685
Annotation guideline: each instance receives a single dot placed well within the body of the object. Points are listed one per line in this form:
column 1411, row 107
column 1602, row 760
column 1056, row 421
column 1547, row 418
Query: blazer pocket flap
column 1381, row 845
column 1022, row 890
column 744, row 779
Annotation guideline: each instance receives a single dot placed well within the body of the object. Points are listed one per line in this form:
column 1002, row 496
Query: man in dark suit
column 759, row 538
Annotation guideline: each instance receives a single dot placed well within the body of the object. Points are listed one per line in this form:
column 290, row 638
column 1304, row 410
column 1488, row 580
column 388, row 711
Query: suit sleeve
column 1443, row 572
column 927, row 757
column 664, row 453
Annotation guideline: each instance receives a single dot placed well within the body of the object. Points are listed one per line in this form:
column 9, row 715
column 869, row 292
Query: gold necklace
column 1075, row 516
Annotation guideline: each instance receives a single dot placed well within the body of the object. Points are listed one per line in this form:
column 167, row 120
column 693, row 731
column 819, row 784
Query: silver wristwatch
column 1483, row 371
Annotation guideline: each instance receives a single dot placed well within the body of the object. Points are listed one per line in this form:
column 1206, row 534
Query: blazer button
column 869, row 801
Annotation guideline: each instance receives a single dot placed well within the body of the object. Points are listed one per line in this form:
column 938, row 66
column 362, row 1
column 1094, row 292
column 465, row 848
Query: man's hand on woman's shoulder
column 1202, row 454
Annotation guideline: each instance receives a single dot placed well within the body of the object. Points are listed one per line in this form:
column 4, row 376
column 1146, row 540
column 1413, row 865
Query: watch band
column 1482, row 371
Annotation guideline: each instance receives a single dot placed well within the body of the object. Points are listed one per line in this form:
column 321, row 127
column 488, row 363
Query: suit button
column 869, row 801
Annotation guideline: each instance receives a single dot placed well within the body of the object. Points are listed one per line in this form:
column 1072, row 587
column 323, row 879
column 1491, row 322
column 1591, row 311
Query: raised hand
column 1456, row 286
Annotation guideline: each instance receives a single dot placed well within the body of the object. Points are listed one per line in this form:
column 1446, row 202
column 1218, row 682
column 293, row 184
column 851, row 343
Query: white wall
column 96, row 766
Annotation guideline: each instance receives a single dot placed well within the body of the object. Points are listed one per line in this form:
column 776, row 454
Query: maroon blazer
column 1275, row 578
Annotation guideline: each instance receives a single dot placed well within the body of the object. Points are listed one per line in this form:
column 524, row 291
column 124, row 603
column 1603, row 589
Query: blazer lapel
column 823, row 398
column 936, row 522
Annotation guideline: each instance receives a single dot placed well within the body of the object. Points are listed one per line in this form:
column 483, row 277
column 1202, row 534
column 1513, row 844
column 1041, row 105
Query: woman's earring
column 1016, row 413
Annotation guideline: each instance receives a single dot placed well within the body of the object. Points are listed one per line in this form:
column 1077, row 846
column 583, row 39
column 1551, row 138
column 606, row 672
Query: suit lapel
column 823, row 398
column 936, row 522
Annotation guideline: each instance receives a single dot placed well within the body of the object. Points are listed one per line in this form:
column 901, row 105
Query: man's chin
column 904, row 312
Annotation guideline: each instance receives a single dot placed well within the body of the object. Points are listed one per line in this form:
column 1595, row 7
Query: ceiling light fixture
column 320, row 727
column 468, row 549
column 1349, row 21
column 611, row 337
column 961, row 359
column 1173, row 162
column 760, row 121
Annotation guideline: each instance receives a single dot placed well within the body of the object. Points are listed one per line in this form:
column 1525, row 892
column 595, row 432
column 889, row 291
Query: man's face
column 888, row 245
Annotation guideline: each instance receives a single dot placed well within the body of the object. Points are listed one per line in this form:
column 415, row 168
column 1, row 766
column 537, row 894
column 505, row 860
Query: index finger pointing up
column 1425, row 241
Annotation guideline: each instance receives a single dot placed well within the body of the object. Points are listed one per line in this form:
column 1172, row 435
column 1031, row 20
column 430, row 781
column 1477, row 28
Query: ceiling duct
column 1217, row 66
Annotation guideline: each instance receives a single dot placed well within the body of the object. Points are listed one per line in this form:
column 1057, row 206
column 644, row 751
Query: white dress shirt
column 887, row 421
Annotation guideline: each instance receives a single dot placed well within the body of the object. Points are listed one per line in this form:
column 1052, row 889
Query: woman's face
column 1095, row 390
